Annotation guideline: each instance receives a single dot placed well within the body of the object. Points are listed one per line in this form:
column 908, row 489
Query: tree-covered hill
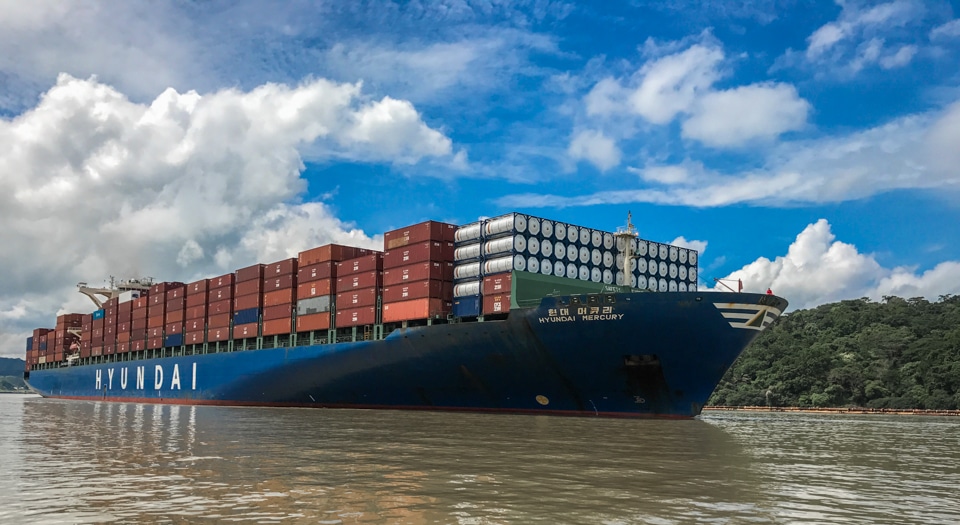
column 11, row 374
column 893, row 354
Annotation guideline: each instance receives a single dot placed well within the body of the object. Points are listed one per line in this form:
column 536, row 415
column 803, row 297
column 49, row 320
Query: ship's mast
column 628, row 235
column 116, row 288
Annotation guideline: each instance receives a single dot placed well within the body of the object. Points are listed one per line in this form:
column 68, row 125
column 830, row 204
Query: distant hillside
column 897, row 354
column 11, row 374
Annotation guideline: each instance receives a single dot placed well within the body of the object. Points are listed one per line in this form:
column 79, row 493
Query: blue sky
column 809, row 146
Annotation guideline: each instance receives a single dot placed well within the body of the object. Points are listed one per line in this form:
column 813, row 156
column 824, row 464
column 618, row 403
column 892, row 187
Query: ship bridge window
column 609, row 299
column 593, row 300
column 575, row 300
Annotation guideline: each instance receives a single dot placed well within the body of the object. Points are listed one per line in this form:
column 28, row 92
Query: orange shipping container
column 219, row 321
column 282, row 282
column 356, row 316
column 325, row 253
column 284, row 267
column 218, row 334
column 416, row 309
column 248, row 288
column 221, row 281
column 220, row 307
column 123, row 347
column 308, row 323
column 174, row 316
column 439, row 271
column 315, row 288
column 357, row 298
column 243, row 331
column 365, row 263
column 418, row 290
column 193, row 325
column 424, row 231
column 197, row 299
column 499, row 283
column 221, row 294
column 194, row 337
column 247, row 301
column 315, row 272
column 250, row 273
column 198, row 287
column 281, row 311
column 359, row 281
column 277, row 297
column 420, row 252
column 277, row 326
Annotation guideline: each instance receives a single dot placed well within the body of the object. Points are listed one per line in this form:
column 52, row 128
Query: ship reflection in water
column 89, row 462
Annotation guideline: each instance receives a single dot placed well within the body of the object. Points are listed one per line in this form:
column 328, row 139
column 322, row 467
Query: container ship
column 514, row 313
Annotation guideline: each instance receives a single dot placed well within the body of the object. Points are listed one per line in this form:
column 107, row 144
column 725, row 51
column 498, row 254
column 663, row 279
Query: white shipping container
column 466, row 289
column 546, row 228
column 509, row 223
column 468, row 252
column 466, row 271
column 469, row 232
column 499, row 265
column 533, row 225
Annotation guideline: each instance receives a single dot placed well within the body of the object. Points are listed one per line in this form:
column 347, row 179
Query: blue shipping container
column 30, row 343
column 43, row 346
column 466, row 306
column 250, row 315
column 98, row 314
column 173, row 340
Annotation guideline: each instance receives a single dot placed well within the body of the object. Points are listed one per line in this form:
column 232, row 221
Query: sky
column 812, row 147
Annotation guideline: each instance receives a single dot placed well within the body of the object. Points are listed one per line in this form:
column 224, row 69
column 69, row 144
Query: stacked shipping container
column 195, row 316
column 279, row 297
column 417, row 267
column 139, row 319
column 517, row 242
column 317, row 284
column 358, row 289
column 219, row 309
column 247, row 301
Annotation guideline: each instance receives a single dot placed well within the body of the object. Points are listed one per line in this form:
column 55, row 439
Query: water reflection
column 99, row 462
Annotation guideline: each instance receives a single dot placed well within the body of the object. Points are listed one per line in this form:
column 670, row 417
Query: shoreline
column 840, row 410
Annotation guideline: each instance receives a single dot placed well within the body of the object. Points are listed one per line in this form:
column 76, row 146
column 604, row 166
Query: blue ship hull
column 624, row 354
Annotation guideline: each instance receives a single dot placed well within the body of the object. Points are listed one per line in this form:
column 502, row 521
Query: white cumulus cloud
column 93, row 184
column 737, row 116
column 818, row 268
column 596, row 148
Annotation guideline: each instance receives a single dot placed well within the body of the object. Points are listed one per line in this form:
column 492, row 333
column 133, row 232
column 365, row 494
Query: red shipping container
column 138, row 345
column 125, row 308
column 157, row 310
column 356, row 316
column 224, row 293
column 196, row 299
column 366, row 263
column 174, row 316
column 220, row 307
column 308, row 323
column 193, row 325
column 123, row 348
column 247, row 301
column 438, row 271
column 416, row 309
column 177, row 303
column 244, row 331
column 278, row 297
column 282, row 282
column 281, row 311
column 325, row 253
column 357, row 298
column 424, row 231
column 315, row 288
column 138, row 334
column 418, row 290
column 219, row 321
column 314, row 272
column 155, row 332
column 193, row 338
column 197, row 312
column 496, row 303
column 359, row 281
column 222, row 281
column 124, row 327
column 123, row 337
column 161, row 288
column 176, row 292
column 498, row 283
column 218, row 334
column 420, row 252
column 277, row 326
column 198, row 287
column 141, row 302
column 250, row 273
column 156, row 300
column 174, row 328
column 247, row 288
column 96, row 350
column 155, row 322
column 154, row 343
column 138, row 323
column 284, row 267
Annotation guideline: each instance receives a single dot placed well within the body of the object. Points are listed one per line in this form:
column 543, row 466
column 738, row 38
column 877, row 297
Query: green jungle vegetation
column 11, row 374
column 897, row 354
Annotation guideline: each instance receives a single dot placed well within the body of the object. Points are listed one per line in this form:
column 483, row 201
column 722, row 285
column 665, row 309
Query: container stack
column 220, row 308
column 417, row 268
column 110, row 325
column 518, row 242
column 358, row 289
column 96, row 340
column 38, row 345
column 86, row 335
column 125, row 320
column 32, row 357
column 157, row 312
column 138, row 323
column 317, row 285
column 195, row 316
column 63, row 339
column 247, row 301
column 279, row 296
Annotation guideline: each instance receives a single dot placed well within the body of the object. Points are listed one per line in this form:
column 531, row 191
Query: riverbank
column 841, row 410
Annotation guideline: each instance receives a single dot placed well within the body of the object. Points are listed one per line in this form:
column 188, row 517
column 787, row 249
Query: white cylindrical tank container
column 559, row 269
column 533, row 225
column 546, row 267
column 466, row 271
column 692, row 257
column 466, row 289
column 682, row 256
column 664, row 252
column 692, row 275
column 498, row 265
column 642, row 282
column 583, row 272
column 608, row 241
column 572, row 253
column 607, row 277
column 533, row 246
column 608, row 259
column 584, row 255
column 652, row 249
column 560, row 231
column 596, row 238
column 682, row 286
column 653, row 284
column 674, row 253
column 467, row 252
column 573, row 234
column 585, row 235
column 596, row 257
column 663, row 269
column 642, row 265
column 571, row 271
column 546, row 228
column 663, row 287
column 682, row 273
column 642, row 248
column 468, row 232
column 504, row 224
column 673, row 271
column 672, row 286
column 533, row 264
column 596, row 275
column 546, row 248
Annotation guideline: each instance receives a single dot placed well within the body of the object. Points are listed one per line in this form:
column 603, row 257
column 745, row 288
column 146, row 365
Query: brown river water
column 91, row 462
